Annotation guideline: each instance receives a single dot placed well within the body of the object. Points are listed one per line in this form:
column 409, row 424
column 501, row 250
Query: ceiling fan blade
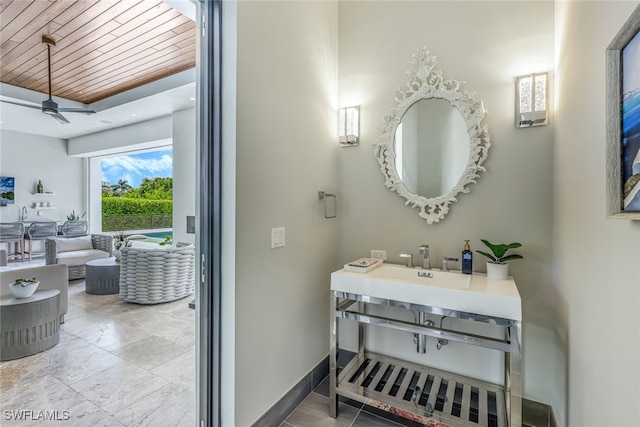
column 21, row 105
column 77, row 110
column 59, row 117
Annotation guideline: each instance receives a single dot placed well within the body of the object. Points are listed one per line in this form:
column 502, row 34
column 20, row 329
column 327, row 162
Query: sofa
column 75, row 252
column 50, row 277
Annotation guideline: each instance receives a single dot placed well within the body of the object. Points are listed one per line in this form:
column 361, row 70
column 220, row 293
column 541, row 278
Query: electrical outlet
column 378, row 254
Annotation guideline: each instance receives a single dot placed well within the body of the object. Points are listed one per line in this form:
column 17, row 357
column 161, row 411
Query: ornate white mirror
column 433, row 143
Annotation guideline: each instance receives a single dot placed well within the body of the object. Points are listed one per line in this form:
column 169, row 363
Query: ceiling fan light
column 49, row 107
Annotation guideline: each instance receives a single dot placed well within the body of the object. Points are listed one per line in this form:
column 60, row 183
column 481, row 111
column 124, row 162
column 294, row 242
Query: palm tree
column 121, row 187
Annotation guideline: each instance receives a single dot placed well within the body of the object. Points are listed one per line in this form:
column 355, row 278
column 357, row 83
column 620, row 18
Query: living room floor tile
column 119, row 387
column 167, row 406
column 104, row 331
column 151, row 352
column 180, row 370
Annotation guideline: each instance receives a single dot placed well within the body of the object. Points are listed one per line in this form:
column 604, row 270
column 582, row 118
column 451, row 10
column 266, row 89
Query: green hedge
column 121, row 213
column 135, row 222
column 124, row 206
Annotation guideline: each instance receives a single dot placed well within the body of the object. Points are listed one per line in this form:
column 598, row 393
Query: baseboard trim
column 290, row 401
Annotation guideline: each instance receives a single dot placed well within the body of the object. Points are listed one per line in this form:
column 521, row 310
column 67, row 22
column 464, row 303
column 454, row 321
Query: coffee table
column 102, row 276
column 29, row 325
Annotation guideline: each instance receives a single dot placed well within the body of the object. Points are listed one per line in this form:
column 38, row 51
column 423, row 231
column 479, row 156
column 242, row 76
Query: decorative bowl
column 23, row 290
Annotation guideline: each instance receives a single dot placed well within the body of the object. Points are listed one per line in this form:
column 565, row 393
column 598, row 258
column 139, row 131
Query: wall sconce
column 532, row 100
column 349, row 123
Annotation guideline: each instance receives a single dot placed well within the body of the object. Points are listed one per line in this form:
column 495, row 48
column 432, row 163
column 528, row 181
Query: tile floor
column 314, row 412
column 117, row 364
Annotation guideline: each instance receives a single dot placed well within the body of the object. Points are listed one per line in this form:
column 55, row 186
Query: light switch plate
column 277, row 237
column 378, row 254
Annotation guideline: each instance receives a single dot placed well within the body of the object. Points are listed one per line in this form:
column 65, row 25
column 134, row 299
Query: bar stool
column 75, row 228
column 13, row 232
column 40, row 231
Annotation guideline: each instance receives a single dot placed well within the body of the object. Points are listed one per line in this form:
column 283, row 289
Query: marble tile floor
column 117, row 364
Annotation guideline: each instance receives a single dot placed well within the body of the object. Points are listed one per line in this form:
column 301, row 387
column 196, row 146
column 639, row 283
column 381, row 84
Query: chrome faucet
column 409, row 259
column 23, row 214
column 426, row 258
column 444, row 262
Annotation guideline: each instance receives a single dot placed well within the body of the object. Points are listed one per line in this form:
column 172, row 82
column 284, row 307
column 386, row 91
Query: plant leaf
column 498, row 250
column 510, row 257
column 491, row 257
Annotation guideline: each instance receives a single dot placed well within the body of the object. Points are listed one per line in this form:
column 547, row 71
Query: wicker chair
column 75, row 228
column 76, row 251
column 13, row 232
column 157, row 275
column 39, row 231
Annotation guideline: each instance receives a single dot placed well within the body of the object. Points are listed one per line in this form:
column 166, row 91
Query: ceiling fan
column 49, row 106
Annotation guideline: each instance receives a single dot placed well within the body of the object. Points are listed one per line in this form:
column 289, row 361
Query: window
column 137, row 192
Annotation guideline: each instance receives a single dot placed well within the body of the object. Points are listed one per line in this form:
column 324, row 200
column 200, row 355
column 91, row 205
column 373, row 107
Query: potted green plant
column 120, row 240
column 24, row 288
column 497, row 267
column 168, row 240
column 74, row 217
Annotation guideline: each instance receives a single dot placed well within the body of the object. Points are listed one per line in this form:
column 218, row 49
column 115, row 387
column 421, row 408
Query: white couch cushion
column 67, row 244
column 80, row 257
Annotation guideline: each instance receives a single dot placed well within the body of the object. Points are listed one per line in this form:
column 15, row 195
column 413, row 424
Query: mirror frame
column 426, row 82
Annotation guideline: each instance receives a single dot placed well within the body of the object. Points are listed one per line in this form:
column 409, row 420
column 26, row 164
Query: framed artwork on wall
column 7, row 190
column 623, row 121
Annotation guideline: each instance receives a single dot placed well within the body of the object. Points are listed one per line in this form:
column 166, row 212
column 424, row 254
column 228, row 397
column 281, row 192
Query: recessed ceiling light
column 192, row 98
column 133, row 114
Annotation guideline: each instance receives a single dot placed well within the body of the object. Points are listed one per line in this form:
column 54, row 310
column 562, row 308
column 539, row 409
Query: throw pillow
column 67, row 244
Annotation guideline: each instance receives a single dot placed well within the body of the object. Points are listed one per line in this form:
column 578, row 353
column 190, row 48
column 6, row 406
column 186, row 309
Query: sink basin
column 439, row 278
column 445, row 289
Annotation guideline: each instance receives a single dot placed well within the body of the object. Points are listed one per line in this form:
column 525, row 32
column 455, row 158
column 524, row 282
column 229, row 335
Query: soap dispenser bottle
column 467, row 259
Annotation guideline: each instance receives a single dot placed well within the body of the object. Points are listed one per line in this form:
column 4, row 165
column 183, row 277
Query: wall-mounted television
column 7, row 190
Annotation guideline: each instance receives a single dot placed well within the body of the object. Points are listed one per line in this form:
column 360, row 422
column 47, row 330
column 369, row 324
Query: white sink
column 445, row 289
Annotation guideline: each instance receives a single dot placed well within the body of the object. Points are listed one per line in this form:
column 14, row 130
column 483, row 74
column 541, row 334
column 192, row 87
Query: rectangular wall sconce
column 349, row 123
column 532, row 100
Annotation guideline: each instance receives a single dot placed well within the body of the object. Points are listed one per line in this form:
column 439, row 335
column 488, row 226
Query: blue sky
column 134, row 167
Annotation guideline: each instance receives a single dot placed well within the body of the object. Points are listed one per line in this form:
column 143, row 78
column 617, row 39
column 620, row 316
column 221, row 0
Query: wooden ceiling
column 103, row 47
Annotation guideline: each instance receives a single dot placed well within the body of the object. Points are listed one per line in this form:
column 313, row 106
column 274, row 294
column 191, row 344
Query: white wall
column 184, row 173
column 597, row 260
column 485, row 44
column 286, row 153
column 138, row 136
column 30, row 158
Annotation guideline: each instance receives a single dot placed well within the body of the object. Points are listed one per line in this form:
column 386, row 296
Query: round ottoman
column 102, row 276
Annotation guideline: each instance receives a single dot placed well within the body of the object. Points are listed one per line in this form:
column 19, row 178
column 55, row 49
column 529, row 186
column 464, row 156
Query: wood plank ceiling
column 103, row 47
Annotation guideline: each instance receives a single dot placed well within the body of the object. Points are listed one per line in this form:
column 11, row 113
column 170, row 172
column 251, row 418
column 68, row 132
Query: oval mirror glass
column 432, row 147
column 433, row 143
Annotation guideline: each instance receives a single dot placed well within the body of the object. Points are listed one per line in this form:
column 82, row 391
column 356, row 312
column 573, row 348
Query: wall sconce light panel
column 349, row 123
column 532, row 100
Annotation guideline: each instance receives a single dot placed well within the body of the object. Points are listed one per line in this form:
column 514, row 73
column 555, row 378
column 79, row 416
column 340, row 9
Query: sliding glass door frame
column 209, row 279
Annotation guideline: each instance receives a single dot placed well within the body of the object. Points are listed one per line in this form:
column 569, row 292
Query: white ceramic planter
column 497, row 271
column 20, row 291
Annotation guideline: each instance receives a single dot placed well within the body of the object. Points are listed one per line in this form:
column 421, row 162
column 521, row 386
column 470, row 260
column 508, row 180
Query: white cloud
column 137, row 166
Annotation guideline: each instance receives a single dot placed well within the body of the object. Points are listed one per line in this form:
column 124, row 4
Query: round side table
column 102, row 276
column 29, row 325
